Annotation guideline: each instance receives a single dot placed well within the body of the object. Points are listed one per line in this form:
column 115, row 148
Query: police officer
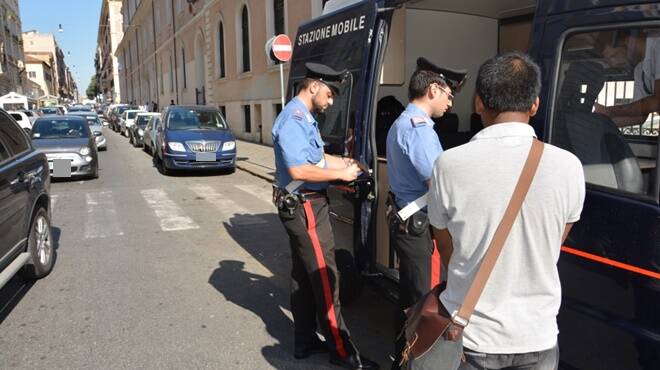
column 412, row 148
column 302, row 173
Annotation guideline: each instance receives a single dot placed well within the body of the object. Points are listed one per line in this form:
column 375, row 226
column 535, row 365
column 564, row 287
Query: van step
column 13, row 267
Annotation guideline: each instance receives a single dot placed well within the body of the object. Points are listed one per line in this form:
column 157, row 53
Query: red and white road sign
column 282, row 48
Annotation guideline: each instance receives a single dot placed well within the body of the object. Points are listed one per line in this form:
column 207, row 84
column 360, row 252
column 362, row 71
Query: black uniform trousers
column 419, row 272
column 314, row 277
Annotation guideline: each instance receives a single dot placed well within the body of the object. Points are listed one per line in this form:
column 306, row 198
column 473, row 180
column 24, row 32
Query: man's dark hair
column 420, row 82
column 305, row 83
column 509, row 83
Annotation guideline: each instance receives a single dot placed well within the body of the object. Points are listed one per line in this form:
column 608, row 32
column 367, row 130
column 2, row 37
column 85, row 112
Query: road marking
column 229, row 208
column 170, row 216
column 102, row 220
column 53, row 202
column 258, row 192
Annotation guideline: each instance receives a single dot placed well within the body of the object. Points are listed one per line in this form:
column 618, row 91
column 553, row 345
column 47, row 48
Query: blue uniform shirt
column 412, row 148
column 297, row 141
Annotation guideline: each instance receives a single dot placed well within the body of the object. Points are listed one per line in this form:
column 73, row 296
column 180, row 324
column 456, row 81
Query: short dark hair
column 420, row 82
column 509, row 82
column 304, row 84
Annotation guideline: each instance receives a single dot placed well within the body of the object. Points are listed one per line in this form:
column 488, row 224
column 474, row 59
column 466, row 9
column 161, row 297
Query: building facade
column 12, row 67
column 110, row 34
column 35, row 43
column 209, row 52
column 40, row 71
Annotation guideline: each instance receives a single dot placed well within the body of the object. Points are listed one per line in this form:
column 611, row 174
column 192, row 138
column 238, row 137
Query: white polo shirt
column 471, row 187
column 648, row 70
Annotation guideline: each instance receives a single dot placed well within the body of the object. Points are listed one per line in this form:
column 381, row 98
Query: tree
column 92, row 89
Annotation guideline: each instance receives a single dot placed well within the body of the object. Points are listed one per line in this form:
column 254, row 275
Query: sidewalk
column 256, row 159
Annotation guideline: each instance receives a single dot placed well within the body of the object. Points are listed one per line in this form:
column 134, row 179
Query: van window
column 13, row 136
column 605, row 107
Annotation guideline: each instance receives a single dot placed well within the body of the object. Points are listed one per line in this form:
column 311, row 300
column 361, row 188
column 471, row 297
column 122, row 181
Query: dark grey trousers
column 542, row 360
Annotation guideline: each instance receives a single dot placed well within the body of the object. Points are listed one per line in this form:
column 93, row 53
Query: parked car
column 67, row 138
column 137, row 131
column 32, row 115
column 150, row 131
column 116, row 114
column 95, row 125
column 64, row 109
column 22, row 119
column 79, row 108
column 194, row 137
column 127, row 120
column 26, row 243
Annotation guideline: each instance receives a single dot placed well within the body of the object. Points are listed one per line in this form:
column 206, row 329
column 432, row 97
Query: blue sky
column 79, row 19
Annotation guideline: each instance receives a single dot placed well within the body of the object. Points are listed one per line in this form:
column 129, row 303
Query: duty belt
column 285, row 200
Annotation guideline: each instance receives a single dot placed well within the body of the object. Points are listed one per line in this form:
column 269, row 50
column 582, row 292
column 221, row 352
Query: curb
column 255, row 173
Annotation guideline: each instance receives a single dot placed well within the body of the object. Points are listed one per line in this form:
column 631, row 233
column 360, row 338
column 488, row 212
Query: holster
column 285, row 201
column 415, row 225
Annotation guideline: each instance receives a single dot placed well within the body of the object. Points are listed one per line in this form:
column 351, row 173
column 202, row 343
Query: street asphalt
column 153, row 272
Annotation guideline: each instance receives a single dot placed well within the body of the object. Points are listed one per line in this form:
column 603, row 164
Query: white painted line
column 53, row 202
column 261, row 193
column 228, row 207
column 102, row 220
column 170, row 216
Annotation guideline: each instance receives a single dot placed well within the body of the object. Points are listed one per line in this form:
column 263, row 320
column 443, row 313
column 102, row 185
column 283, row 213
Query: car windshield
column 121, row 110
column 49, row 110
column 17, row 116
column 131, row 115
column 59, row 128
column 196, row 120
column 142, row 121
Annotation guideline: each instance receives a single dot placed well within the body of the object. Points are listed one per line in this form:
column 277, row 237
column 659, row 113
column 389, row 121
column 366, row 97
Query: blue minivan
column 594, row 55
column 194, row 138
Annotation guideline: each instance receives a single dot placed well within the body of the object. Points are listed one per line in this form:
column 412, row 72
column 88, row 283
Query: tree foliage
column 92, row 89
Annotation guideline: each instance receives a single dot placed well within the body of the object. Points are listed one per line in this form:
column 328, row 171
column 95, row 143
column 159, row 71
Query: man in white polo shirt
column 514, row 325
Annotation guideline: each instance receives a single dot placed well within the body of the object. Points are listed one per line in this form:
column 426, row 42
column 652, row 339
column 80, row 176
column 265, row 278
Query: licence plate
column 61, row 167
column 205, row 157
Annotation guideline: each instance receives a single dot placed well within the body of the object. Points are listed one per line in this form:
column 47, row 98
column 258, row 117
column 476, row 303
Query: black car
column 26, row 245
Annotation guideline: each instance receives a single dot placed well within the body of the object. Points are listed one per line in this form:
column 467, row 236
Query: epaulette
column 298, row 114
column 418, row 121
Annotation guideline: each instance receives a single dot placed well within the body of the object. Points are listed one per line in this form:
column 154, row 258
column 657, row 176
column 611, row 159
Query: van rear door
column 342, row 40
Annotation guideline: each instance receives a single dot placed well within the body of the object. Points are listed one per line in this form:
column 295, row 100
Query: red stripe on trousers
column 325, row 281
column 435, row 265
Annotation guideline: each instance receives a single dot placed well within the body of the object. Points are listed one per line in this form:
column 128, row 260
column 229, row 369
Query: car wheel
column 145, row 148
column 162, row 168
column 40, row 247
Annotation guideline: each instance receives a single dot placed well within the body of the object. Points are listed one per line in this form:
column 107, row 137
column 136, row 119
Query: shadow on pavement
column 16, row 288
column 369, row 318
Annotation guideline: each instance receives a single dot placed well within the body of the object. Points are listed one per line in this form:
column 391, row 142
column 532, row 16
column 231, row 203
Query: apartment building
column 35, row 43
column 12, row 68
column 39, row 68
column 109, row 35
column 209, row 52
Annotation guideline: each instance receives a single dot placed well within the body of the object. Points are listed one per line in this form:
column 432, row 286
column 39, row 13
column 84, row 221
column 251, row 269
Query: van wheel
column 162, row 168
column 350, row 279
column 40, row 247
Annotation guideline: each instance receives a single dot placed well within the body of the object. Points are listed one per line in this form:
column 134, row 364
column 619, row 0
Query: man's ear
column 313, row 88
column 535, row 107
column 478, row 105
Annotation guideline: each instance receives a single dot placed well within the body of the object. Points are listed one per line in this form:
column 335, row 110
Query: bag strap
column 497, row 243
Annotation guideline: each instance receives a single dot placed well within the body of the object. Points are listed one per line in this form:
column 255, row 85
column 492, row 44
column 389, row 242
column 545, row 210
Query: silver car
column 68, row 144
column 96, row 126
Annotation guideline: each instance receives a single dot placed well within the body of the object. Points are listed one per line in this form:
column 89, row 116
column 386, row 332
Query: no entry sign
column 282, row 48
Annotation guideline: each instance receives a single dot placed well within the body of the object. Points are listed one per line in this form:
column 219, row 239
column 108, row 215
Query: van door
column 341, row 40
column 610, row 265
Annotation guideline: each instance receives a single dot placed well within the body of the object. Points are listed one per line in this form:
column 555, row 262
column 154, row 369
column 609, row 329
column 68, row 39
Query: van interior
column 453, row 34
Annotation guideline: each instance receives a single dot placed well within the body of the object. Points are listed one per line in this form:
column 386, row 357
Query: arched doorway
column 200, row 70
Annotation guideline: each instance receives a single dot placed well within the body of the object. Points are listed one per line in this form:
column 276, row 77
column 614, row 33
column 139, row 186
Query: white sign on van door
column 337, row 29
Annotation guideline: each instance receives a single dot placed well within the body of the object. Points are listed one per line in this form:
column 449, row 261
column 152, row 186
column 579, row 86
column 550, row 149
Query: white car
column 22, row 119
column 128, row 120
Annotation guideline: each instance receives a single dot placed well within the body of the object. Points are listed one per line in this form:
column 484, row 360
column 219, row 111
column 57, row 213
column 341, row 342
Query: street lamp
column 60, row 29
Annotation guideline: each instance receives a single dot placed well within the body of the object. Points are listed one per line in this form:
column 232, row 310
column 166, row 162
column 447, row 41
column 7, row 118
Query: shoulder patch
column 298, row 114
column 418, row 121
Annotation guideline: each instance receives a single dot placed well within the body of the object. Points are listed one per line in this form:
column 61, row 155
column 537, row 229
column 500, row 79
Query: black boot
column 315, row 347
column 355, row 361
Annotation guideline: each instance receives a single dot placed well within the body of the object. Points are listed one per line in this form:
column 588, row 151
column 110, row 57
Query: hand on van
column 349, row 173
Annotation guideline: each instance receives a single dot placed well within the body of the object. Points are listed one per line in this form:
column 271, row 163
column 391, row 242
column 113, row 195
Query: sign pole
column 282, row 82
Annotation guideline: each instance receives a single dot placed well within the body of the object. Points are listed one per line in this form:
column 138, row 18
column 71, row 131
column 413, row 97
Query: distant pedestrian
column 514, row 325
column 154, row 106
column 172, row 102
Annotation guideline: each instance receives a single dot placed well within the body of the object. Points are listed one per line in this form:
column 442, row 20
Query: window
column 4, row 153
column 245, row 39
column 32, row 74
column 183, row 66
column 247, row 119
column 604, row 111
column 171, row 75
column 223, row 110
column 278, row 109
column 12, row 136
column 221, row 50
column 278, row 15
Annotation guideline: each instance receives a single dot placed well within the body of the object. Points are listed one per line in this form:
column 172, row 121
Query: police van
column 593, row 56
